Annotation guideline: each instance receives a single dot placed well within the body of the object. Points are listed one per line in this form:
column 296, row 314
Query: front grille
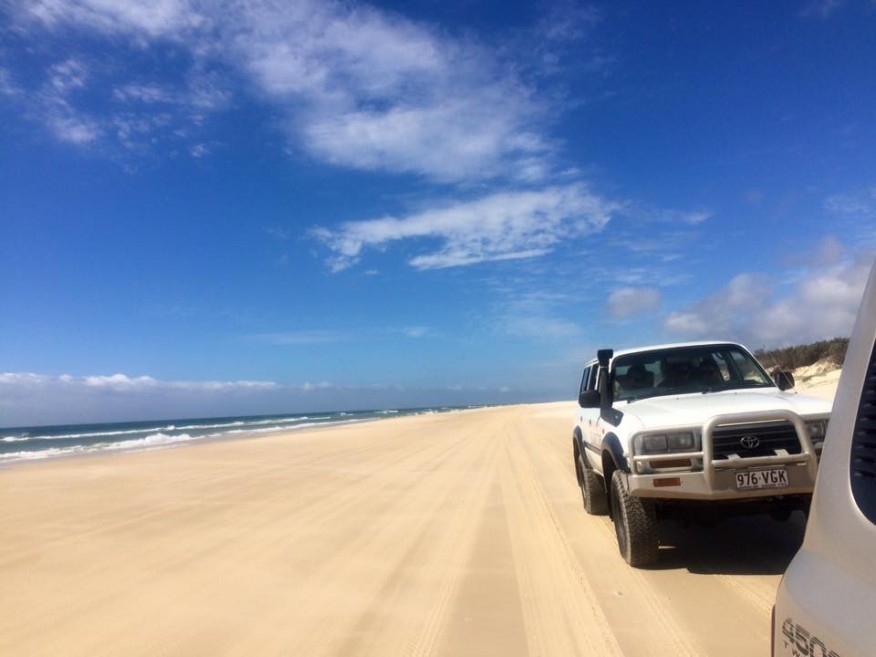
column 863, row 456
column 751, row 440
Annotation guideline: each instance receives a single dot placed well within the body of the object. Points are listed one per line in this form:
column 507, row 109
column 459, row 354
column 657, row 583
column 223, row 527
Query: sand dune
column 820, row 379
column 450, row 534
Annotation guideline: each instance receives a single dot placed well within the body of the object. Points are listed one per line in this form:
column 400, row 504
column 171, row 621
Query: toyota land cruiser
column 695, row 429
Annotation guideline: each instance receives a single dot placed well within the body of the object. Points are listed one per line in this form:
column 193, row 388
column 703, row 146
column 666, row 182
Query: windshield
column 682, row 370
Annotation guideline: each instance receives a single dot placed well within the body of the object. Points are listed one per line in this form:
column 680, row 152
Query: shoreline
column 108, row 448
column 810, row 382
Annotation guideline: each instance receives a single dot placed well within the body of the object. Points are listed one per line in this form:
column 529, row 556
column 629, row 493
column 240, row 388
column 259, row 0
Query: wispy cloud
column 356, row 87
column 859, row 204
column 326, row 336
column 540, row 327
column 55, row 103
column 416, row 332
column 628, row 302
column 525, row 309
column 371, row 90
column 144, row 93
column 121, row 383
column 501, row 226
column 7, row 85
column 39, row 399
column 823, row 303
column 28, row 398
column 154, row 19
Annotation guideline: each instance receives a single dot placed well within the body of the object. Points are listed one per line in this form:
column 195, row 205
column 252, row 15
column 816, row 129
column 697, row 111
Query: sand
column 450, row 534
column 818, row 380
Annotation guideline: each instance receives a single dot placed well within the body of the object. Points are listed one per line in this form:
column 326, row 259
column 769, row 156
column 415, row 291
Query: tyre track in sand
column 561, row 611
column 459, row 535
column 710, row 595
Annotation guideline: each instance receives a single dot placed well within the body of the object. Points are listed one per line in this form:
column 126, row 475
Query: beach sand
column 459, row 533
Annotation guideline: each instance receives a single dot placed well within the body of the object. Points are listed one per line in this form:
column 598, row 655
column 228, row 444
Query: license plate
column 757, row 479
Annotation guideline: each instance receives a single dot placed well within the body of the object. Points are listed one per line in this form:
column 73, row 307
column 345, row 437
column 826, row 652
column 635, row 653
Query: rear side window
column 588, row 381
column 591, row 382
column 863, row 457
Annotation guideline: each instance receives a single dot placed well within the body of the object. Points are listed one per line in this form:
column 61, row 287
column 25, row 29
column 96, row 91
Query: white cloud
column 531, row 314
column 155, row 18
column 641, row 214
column 68, row 76
column 829, row 252
column 852, row 215
column 7, row 85
column 416, row 332
column 33, row 399
column 631, row 301
column 356, row 87
column 540, row 327
column 501, row 226
column 859, row 204
column 822, row 304
column 370, row 90
column 144, row 93
column 117, row 382
column 53, row 104
column 449, row 140
column 28, row 399
column 73, row 129
column 121, row 382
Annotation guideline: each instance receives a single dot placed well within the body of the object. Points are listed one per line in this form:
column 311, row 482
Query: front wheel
column 635, row 523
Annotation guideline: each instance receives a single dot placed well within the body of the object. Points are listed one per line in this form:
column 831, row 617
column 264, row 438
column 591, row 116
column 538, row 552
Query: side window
column 598, row 374
column 863, row 456
column 591, row 383
column 584, row 380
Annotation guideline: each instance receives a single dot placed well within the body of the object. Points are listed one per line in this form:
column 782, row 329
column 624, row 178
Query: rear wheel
column 635, row 523
column 592, row 490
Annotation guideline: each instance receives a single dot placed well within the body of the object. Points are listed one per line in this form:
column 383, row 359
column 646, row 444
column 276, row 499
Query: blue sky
column 220, row 207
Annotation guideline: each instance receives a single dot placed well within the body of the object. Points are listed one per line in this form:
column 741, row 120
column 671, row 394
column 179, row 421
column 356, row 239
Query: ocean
column 33, row 443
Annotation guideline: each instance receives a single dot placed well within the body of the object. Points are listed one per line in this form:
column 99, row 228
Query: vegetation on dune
column 789, row 358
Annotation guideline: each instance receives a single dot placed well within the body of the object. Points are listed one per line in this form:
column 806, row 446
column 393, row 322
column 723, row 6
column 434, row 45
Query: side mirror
column 784, row 379
column 589, row 399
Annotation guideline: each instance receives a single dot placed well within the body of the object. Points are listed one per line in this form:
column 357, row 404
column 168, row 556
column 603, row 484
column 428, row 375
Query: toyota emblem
column 749, row 442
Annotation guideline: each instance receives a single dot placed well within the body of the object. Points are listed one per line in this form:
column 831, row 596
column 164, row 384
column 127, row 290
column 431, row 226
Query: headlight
column 655, row 443
column 681, row 442
column 817, row 429
column 661, row 443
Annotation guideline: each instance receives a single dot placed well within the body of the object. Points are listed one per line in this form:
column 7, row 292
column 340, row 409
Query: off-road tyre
column 635, row 523
column 592, row 491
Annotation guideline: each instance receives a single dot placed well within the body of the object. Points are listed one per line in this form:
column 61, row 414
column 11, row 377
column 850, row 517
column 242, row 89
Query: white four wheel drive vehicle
column 825, row 603
column 695, row 430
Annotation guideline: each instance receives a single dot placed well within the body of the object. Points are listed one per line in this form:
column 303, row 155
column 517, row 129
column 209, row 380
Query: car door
column 588, row 418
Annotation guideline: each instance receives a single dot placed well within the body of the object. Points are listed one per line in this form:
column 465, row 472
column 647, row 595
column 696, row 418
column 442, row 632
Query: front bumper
column 716, row 480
